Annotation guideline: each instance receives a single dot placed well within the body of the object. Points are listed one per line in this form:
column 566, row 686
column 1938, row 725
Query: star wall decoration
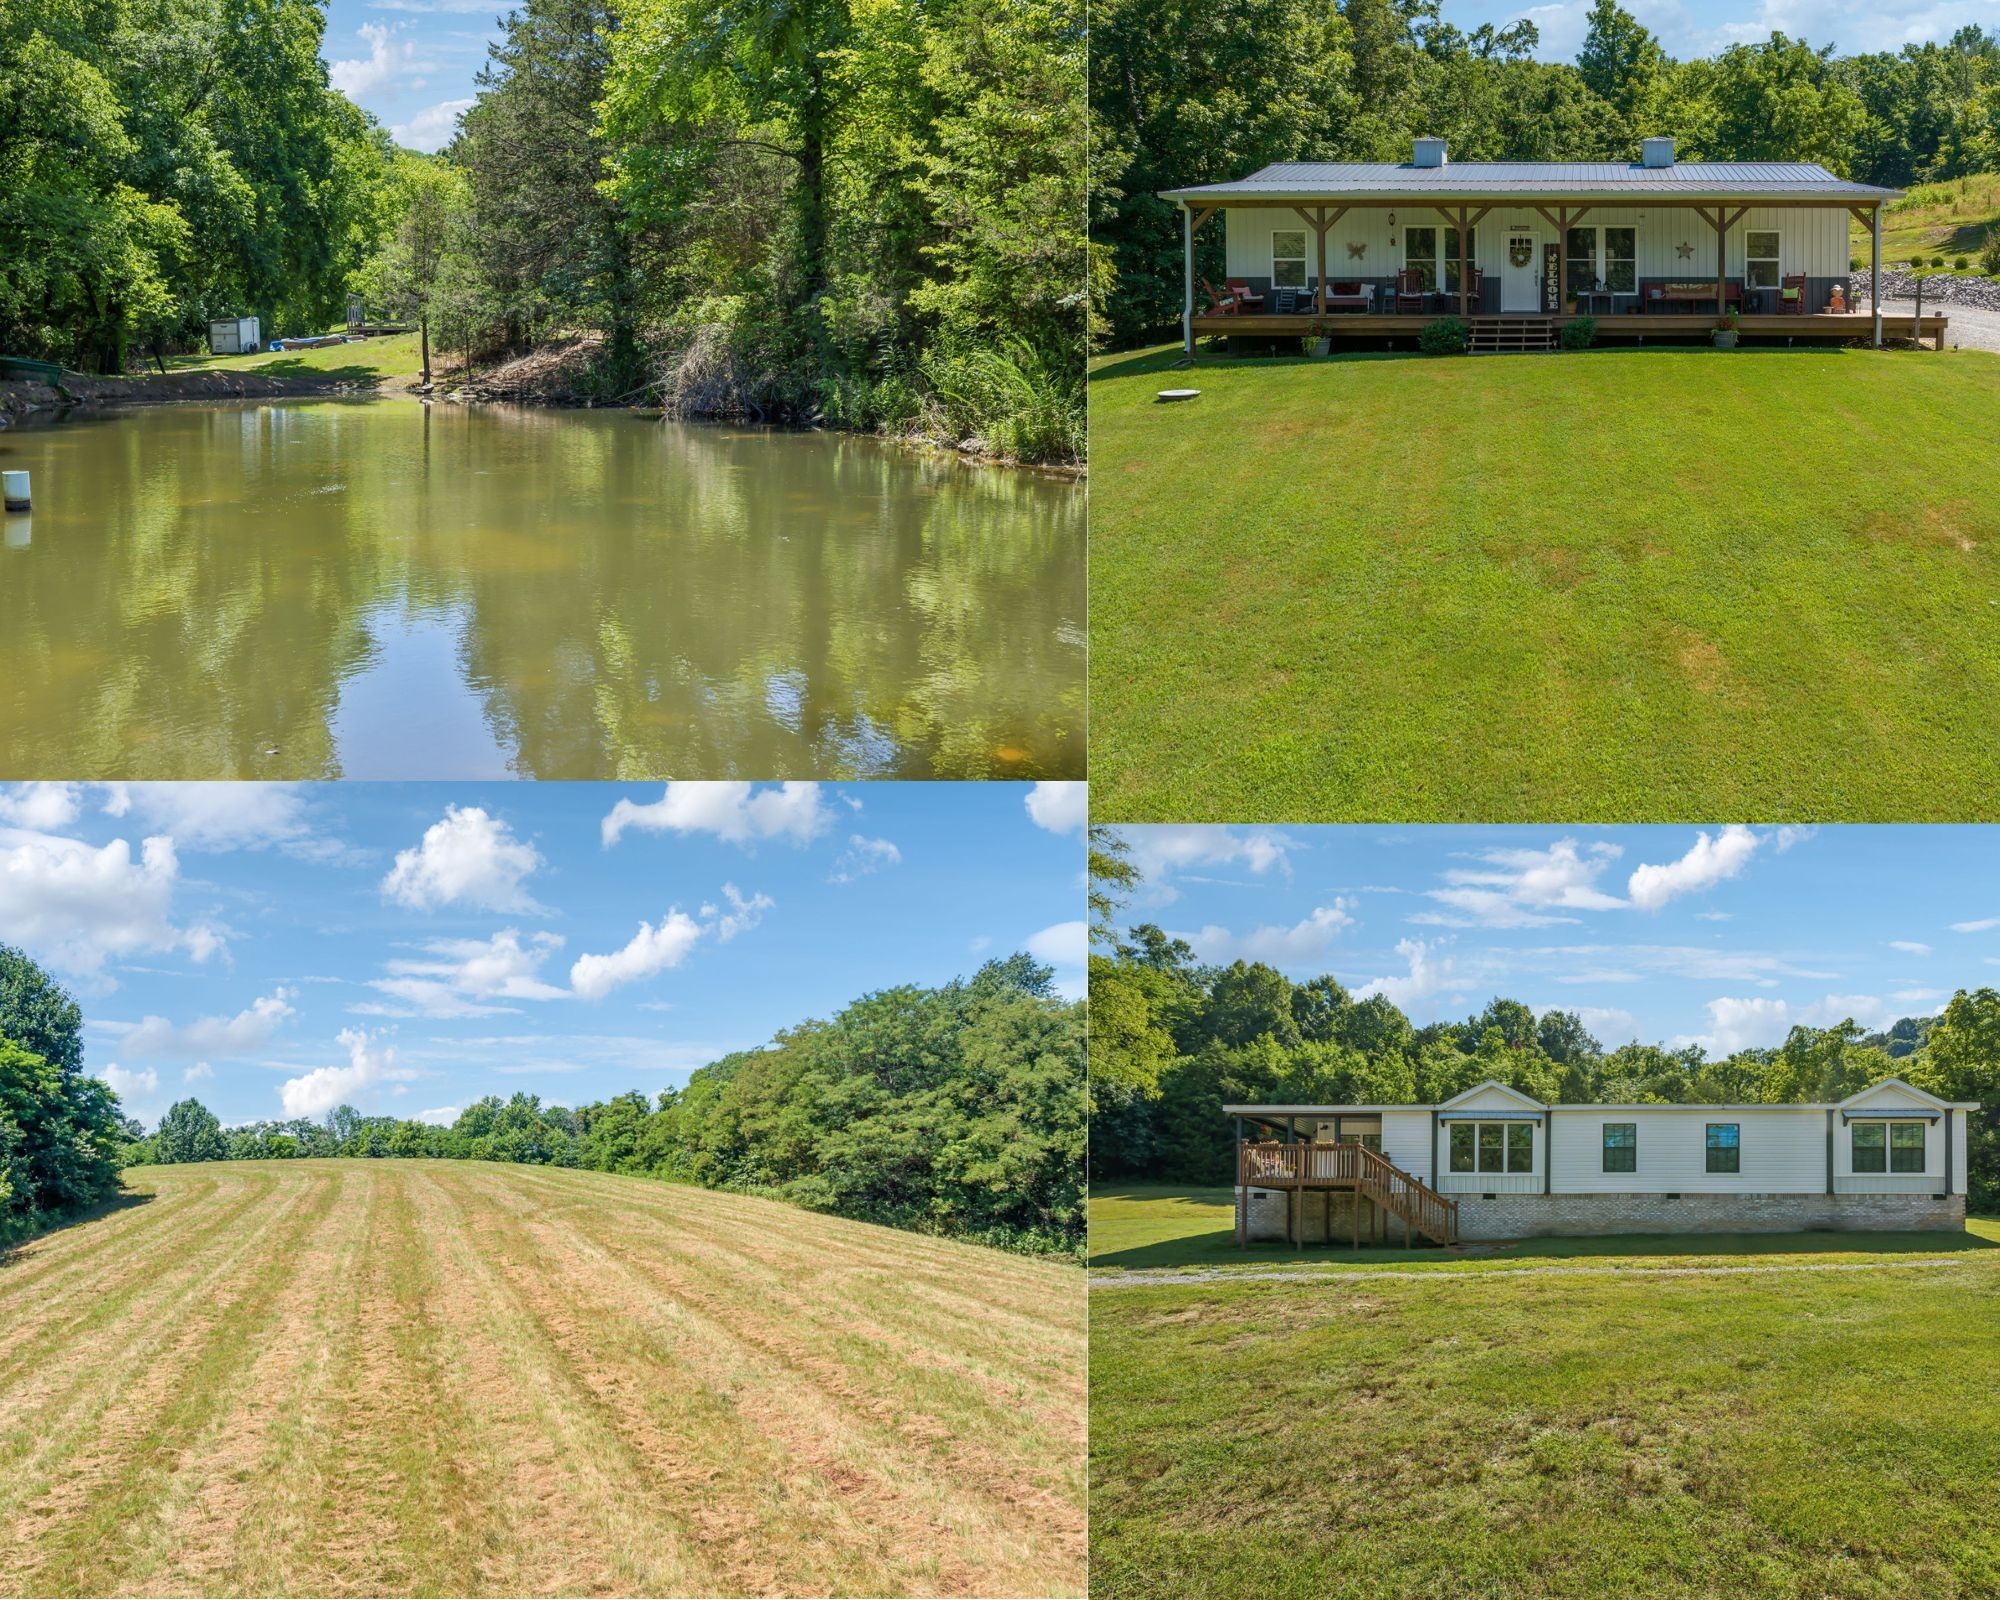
column 1683, row 250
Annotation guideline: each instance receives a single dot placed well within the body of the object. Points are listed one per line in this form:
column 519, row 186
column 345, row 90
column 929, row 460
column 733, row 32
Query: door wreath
column 1520, row 250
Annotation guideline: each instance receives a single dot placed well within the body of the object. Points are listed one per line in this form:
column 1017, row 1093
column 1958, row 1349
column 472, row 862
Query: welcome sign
column 1552, row 286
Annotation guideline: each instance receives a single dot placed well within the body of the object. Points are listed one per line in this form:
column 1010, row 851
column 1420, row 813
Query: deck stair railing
column 1347, row 1165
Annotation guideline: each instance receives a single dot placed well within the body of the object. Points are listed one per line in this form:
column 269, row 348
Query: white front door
column 1521, row 285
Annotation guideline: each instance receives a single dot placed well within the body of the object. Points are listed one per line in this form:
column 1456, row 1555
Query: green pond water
column 363, row 589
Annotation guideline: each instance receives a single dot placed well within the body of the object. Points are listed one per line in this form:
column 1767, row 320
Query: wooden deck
column 1298, row 1167
column 1657, row 324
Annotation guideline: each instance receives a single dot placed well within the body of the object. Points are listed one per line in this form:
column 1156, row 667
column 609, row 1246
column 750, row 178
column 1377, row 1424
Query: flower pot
column 1322, row 345
column 1725, row 338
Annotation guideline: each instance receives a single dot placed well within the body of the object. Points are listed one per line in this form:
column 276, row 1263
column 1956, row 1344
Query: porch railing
column 1347, row 1165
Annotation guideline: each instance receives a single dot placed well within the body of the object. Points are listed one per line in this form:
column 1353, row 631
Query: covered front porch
column 1633, row 326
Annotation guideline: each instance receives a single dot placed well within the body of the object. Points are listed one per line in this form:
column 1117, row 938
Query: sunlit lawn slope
column 409, row 1377
column 1648, row 584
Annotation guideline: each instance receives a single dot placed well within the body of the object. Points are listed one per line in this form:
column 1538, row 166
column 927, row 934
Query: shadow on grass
column 123, row 1200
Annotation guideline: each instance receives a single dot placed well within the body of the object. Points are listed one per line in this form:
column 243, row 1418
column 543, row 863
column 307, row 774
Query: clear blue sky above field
column 405, row 948
column 1671, row 935
column 411, row 62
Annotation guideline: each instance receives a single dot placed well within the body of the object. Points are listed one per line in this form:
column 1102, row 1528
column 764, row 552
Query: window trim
column 1734, row 1149
column 1595, row 258
column 1889, row 1124
column 1776, row 259
column 1304, row 259
column 1606, row 1149
column 1503, row 1127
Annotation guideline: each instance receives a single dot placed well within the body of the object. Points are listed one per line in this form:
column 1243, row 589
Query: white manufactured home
column 1653, row 247
column 1492, row 1163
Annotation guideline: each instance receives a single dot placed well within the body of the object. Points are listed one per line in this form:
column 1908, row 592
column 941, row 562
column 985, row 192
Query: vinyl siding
column 1449, row 1182
column 1783, row 1152
column 1930, row 1181
column 1406, row 1141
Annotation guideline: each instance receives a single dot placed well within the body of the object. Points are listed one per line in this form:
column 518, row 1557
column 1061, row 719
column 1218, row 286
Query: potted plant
column 1321, row 342
column 1725, row 336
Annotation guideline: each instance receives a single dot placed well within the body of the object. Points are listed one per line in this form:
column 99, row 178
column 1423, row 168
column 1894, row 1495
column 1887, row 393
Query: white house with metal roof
column 1651, row 247
column 1493, row 1163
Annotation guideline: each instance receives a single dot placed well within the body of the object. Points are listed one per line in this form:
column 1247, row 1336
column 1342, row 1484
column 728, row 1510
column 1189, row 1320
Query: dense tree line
column 1184, row 94
column 1173, row 1040
column 60, row 1132
column 957, row 1110
column 168, row 161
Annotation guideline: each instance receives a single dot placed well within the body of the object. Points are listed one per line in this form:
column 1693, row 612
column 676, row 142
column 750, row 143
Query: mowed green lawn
column 1661, row 584
column 1580, row 1430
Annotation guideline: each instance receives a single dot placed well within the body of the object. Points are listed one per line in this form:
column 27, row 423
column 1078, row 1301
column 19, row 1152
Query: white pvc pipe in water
column 14, row 489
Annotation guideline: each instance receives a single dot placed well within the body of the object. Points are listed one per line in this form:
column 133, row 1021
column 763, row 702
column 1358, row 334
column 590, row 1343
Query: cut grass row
column 1542, row 1435
column 336, row 1378
column 1658, row 584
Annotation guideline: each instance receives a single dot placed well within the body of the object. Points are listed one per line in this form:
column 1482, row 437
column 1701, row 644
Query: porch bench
column 1659, row 292
column 1349, row 295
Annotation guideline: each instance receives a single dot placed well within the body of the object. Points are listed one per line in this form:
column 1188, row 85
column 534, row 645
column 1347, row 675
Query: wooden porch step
column 1493, row 336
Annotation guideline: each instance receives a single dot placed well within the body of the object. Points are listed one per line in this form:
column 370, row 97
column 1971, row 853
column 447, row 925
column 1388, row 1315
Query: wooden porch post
column 1875, row 279
column 1187, row 281
column 1721, row 264
column 1462, row 284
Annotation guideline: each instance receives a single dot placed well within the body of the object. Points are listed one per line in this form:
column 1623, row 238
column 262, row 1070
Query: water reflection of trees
column 632, row 599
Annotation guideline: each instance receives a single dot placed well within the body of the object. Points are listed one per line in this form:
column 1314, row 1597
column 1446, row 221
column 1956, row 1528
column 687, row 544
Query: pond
column 384, row 588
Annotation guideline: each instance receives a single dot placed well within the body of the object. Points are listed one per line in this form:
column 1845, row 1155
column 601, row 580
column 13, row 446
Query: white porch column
column 1875, row 277
column 1187, row 283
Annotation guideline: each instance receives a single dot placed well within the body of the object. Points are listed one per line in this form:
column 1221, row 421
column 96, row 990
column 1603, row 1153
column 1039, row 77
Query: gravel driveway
column 1972, row 327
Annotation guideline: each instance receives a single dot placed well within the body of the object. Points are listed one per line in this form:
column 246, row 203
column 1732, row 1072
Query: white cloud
column 454, row 976
column 1061, row 944
column 211, row 1036
column 40, row 806
column 200, row 1072
column 1981, row 926
column 739, row 813
column 1708, row 862
column 1713, row 916
column 439, row 1116
column 862, row 857
column 1686, row 961
column 742, row 915
column 1059, row 807
column 128, row 1084
column 431, row 129
column 651, row 950
column 78, row 906
column 1608, row 1024
column 369, row 1065
column 216, row 816
column 1865, row 1009
column 1910, row 947
column 1303, row 944
column 467, row 858
column 390, row 55
column 1918, row 997
column 1525, row 888
column 1429, row 971
column 1162, row 852
column 1742, row 1025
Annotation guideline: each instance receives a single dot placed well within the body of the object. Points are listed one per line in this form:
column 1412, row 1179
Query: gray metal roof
column 1733, row 180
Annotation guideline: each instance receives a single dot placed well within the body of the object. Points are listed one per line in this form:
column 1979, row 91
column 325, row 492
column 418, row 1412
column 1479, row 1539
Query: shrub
column 1448, row 336
column 1578, row 334
column 1938, row 262
column 1989, row 252
column 1959, row 264
column 1012, row 402
column 1853, row 263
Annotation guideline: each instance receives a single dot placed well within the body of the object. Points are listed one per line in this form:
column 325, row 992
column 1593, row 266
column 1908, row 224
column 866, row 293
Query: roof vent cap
column 1427, row 153
column 1657, row 152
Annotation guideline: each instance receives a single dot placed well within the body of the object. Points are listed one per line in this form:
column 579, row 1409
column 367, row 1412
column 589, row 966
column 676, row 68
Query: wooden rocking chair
column 1410, row 293
column 1792, row 295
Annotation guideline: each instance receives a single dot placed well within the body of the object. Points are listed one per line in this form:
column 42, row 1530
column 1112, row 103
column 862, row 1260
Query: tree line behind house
column 872, row 216
column 956, row 1110
column 1220, row 90
column 1174, row 1040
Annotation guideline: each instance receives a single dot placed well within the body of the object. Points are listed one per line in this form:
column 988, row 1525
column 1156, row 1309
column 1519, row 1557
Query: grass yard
column 1949, row 219
column 388, row 360
column 1790, row 1433
column 405, row 1377
column 1149, row 1227
column 1652, row 584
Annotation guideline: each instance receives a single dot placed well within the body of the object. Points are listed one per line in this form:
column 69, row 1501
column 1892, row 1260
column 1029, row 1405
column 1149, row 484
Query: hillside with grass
column 1958, row 220
column 393, row 1377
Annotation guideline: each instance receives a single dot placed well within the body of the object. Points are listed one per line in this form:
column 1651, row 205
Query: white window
column 1760, row 258
column 1492, row 1147
column 1288, row 258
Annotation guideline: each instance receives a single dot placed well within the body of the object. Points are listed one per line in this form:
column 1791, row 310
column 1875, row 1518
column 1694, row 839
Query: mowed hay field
column 412, row 1377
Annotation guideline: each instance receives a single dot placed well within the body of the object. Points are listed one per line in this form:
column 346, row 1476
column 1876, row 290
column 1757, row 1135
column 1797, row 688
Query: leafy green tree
column 189, row 1132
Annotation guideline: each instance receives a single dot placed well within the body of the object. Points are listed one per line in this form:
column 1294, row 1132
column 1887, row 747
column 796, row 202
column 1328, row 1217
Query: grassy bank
column 371, row 1377
column 1949, row 219
column 1669, row 584
column 1545, row 1435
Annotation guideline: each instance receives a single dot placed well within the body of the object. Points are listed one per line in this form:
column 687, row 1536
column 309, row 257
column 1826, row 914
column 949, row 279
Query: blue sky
column 275, row 950
column 1720, row 936
column 412, row 62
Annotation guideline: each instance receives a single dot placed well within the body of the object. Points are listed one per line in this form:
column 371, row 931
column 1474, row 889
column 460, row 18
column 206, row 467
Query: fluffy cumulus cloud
column 740, row 813
column 743, row 912
column 215, row 817
column 439, row 1116
column 1303, row 944
column 1061, row 945
column 430, row 130
column 862, row 857
column 1524, row 888
column 1059, row 807
column 40, row 806
column 467, row 858
column 200, row 1072
column 130, row 1084
column 370, row 1064
column 1430, row 970
column 80, row 906
column 249, row 1029
column 391, row 55
column 651, row 950
column 1708, row 862
column 1865, row 1010
column 466, row 977
column 1608, row 1024
column 1167, row 851
column 1737, row 1024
